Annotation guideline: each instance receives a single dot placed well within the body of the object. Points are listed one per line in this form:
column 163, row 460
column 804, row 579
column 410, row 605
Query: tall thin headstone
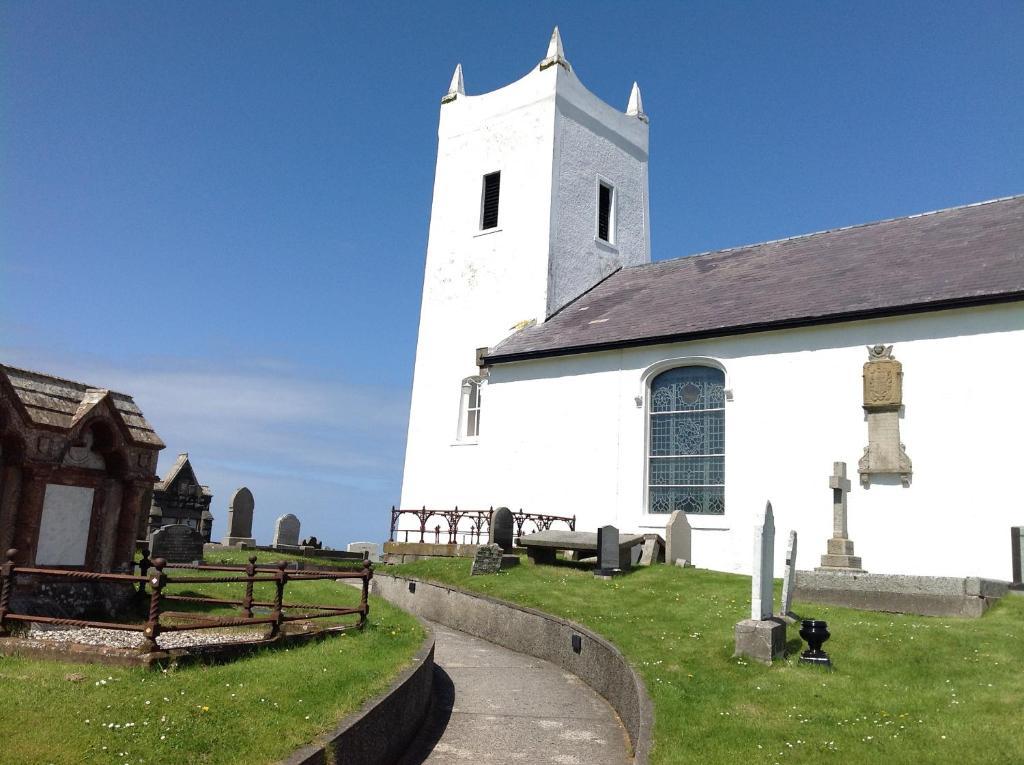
column 840, row 555
column 240, row 519
column 607, row 551
column 677, row 538
column 286, row 531
column 762, row 637
column 789, row 577
column 764, row 564
column 1017, row 554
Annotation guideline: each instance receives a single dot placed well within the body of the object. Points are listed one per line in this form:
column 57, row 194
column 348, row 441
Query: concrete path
column 493, row 705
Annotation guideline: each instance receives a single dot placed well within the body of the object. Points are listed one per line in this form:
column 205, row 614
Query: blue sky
column 221, row 208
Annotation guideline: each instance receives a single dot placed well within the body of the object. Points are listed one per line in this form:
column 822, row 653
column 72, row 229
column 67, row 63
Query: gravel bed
column 125, row 639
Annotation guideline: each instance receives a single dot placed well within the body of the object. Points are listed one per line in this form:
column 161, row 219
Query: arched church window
column 469, row 408
column 686, row 452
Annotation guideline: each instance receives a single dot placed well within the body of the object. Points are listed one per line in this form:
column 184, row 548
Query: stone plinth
column 762, row 640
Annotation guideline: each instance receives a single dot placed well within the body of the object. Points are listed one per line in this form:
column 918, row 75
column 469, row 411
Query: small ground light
column 577, row 644
column 815, row 632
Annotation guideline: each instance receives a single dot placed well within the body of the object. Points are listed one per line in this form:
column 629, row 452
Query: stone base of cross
column 839, row 556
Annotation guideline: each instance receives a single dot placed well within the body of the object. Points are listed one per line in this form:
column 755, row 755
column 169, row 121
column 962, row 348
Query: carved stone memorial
column 487, row 560
column 677, row 538
column 839, row 556
column 501, row 528
column 789, row 578
column 883, row 398
column 286, row 531
column 762, row 637
column 240, row 519
column 608, row 558
column 176, row 543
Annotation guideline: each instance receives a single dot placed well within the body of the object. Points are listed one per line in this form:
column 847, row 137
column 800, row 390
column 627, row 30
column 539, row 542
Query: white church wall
column 565, row 436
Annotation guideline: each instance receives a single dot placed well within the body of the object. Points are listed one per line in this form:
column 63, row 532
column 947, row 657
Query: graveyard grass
column 906, row 689
column 256, row 709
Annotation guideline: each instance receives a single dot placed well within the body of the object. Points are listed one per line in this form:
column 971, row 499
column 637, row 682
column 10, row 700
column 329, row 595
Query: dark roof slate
column 960, row 256
column 59, row 403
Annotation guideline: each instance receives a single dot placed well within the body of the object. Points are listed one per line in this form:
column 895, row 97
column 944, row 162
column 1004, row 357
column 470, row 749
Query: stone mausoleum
column 179, row 499
column 77, row 466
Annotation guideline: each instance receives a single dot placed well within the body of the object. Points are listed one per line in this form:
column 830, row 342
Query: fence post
column 6, row 585
column 364, row 600
column 250, row 572
column 282, row 577
column 144, row 566
column 156, row 586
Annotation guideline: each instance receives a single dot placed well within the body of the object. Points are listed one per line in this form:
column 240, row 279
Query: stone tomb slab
column 542, row 546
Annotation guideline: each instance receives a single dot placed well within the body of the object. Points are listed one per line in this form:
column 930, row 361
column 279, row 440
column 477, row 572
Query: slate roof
column 58, row 403
column 962, row 256
column 179, row 465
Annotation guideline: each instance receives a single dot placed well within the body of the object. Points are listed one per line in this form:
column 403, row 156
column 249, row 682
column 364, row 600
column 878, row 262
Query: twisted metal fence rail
column 151, row 577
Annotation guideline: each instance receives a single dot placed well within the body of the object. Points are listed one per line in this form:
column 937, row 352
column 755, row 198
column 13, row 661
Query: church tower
column 540, row 192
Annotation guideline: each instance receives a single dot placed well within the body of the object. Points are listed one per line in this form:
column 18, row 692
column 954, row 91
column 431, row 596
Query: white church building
column 560, row 371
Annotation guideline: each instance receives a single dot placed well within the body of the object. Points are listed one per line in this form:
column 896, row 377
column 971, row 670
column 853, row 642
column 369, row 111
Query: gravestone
column 240, row 519
column 487, row 560
column 839, row 556
column 370, row 550
column 608, row 558
column 286, row 531
column 176, row 543
column 883, row 399
column 653, row 550
column 1017, row 555
column 677, row 538
column 762, row 637
column 789, row 577
column 501, row 528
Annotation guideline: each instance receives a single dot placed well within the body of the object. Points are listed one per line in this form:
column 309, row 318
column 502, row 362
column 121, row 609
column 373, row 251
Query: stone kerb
column 380, row 732
column 598, row 663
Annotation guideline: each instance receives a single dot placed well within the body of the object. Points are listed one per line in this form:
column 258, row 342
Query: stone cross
column 789, row 577
column 764, row 564
column 840, row 555
column 840, row 488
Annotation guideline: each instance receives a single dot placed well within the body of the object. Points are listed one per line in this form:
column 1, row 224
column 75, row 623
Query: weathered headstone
column 607, row 551
column 176, row 543
column 764, row 564
column 762, row 637
column 883, row 398
column 789, row 577
column 501, row 528
column 1017, row 554
column 652, row 551
column 487, row 560
column 240, row 519
column 286, row 531
column 677, row 538
column 370, row 550
column 840, row 555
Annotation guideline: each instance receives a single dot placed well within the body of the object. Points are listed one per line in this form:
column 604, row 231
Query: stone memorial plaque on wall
column 64, row 526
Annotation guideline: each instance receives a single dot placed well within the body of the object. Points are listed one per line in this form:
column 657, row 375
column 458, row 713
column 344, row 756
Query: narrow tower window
column 489, row 211
column 605, row 222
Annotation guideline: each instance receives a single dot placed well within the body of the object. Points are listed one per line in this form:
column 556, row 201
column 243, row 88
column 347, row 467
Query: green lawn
column 254, row 710
column 905, row 689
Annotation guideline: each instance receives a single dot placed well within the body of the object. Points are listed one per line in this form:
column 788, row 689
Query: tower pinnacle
column 636, row 104
column 556, row 55
column 457, row 88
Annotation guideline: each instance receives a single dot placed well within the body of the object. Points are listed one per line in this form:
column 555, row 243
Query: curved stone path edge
column 382, row 730
column 564, row 643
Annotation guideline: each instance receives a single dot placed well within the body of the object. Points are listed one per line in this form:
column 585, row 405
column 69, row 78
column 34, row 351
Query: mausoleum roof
column 962, row 256
column 58, row 403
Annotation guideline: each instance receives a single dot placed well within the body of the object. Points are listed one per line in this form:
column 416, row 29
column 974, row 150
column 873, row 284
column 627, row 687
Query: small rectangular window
column 489, row 211
column 604, row 212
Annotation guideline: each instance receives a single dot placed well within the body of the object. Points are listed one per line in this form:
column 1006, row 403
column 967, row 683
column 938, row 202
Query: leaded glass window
column 686, row 454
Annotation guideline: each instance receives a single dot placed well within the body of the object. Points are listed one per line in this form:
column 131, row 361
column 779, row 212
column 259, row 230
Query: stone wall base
column 921, row 595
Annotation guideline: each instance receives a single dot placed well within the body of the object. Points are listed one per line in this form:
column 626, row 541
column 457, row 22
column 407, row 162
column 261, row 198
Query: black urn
column 815, row 632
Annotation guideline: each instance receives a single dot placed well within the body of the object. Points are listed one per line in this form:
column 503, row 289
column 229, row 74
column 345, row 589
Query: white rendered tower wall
column 554, row 143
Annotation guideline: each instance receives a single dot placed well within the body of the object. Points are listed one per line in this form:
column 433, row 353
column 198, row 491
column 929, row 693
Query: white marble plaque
column 64, row 527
